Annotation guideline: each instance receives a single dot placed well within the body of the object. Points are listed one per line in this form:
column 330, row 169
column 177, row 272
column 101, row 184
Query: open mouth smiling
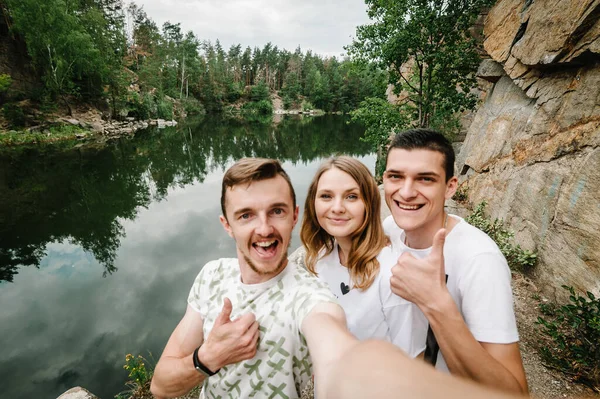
column 405, row 207
column 266, row 248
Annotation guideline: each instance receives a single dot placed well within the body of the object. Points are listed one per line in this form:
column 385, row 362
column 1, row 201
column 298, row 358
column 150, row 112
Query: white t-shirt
column 479, row 281
column 282, row 365
column 375, row 312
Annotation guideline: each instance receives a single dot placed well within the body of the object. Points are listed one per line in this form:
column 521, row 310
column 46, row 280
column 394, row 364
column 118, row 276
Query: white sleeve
column 487, row 302
column 388, row 225
column 197, row 298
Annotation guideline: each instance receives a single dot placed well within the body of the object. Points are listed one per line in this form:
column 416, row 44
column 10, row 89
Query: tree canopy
column 428, row 48
column 103, row 52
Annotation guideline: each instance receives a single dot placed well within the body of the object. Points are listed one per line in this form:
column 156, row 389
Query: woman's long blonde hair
column 367, row 241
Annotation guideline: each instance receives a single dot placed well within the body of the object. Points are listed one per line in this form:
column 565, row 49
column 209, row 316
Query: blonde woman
column 347, row 248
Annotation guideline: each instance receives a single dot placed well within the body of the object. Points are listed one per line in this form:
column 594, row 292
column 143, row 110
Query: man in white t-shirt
column 250, row 320
column 451, row 270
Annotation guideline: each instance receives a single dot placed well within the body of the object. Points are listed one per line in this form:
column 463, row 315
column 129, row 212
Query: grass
column 52, row 134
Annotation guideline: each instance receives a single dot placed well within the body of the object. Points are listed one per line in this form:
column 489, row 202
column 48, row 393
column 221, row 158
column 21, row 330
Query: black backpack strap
column 432, row 347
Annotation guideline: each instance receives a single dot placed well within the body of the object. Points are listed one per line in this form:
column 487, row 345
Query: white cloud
column 323, row 26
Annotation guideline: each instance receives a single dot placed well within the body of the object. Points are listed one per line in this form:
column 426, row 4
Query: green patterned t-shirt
column 282, row 365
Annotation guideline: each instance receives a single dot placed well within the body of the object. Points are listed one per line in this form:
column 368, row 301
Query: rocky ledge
column 116, row 128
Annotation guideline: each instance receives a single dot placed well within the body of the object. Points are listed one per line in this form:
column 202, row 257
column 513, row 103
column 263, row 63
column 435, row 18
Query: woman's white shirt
column 375, row 312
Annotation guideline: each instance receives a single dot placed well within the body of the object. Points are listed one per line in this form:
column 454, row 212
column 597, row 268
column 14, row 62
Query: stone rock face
column 490, row 70
column 533, row 149
column 77, row 393
column 14, row 60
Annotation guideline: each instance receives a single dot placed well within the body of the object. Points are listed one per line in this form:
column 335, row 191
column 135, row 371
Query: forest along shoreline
column 86, row 122
column 112, row 81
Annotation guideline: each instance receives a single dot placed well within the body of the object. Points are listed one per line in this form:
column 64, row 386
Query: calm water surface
column 99, row 245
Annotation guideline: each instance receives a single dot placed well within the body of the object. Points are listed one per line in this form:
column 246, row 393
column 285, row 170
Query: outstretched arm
column 422, row 281
column 228, row 342
column 328, row 340
column 378, row 369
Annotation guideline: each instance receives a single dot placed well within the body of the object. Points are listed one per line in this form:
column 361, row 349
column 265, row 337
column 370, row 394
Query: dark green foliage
column 574, row 332
column 193, row 106
column 379, row 116
column 430, row 55
column 380, row 119
column 77, row 46
column 234, row 92
column 14, row 115
column 263, row 107
column 260, row 92
column 164, row 109
column 5, row 82
column 517, row 258
column 81, row 52
column 291, row 88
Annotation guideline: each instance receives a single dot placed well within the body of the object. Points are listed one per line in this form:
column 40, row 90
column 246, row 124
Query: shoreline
column 75, row 129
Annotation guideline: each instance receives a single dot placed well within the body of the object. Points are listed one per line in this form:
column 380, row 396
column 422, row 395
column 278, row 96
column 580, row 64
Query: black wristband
column 200, row 367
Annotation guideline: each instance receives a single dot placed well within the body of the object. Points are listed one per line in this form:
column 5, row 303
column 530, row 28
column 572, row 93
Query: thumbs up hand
column 229, row 341
column 225, row 316
column 421, row 281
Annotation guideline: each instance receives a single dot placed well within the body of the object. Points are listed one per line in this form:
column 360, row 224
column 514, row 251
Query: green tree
column 378, row 115
column 246, row 63
column 430, row 55
column 76, row 45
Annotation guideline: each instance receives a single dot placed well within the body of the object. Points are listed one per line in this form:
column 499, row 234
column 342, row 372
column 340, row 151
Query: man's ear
column 296, row 213
column 451, row 187
column 226, row 225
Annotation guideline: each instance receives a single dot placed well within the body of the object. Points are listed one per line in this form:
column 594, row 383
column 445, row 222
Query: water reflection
column 146, row 206
column 80, row 194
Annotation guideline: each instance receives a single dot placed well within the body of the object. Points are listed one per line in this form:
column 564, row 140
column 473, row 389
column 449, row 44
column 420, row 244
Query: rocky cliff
column 14, row 60
column 533, row 149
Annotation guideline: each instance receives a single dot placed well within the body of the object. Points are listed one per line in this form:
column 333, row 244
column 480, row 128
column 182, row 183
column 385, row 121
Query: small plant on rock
column 462, row 194
column 5, row 82
column 140, row 375
column 517, row 258
column 574, row 332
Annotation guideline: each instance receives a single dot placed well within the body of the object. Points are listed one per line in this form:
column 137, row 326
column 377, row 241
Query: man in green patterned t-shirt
column 251, row 320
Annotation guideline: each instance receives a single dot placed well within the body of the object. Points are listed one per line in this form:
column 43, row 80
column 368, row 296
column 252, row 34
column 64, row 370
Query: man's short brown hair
column 248, row 170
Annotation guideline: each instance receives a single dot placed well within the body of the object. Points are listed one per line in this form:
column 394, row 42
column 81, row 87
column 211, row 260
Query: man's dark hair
column 248, row 170
column 426, row 139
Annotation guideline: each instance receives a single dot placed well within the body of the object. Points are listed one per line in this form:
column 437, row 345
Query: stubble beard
column 282, row 263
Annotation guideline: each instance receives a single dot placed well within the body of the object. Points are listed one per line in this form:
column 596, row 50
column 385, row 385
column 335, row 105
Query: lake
column 100, row 244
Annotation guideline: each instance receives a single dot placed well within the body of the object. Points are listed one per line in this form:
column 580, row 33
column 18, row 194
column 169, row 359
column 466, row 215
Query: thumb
column 224, row 316
column 439, row 239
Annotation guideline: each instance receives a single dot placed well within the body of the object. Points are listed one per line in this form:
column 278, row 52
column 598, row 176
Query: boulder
column 97, row 127
column 77, row 393
column 73, row 121
column 490, row 70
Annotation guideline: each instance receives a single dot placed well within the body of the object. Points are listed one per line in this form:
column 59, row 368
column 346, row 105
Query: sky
column 323, row 26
